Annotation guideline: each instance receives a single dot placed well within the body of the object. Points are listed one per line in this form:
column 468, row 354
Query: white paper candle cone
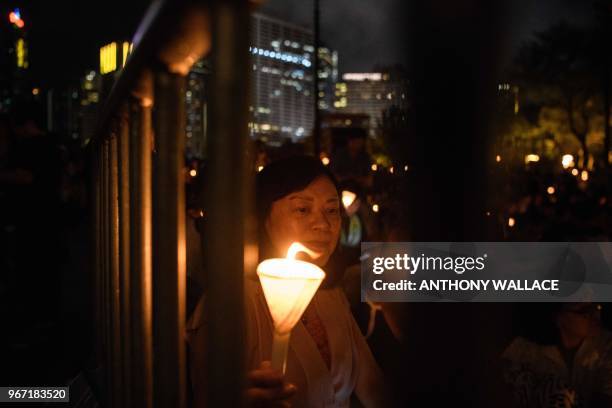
column 288, row 287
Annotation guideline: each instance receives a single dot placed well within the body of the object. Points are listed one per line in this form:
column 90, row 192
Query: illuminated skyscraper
column 371, row 93
column 282, row 96
column 90, row 88
column 72, row 110
column 196, row 107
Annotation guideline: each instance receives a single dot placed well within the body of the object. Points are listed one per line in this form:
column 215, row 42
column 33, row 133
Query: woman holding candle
column 327, row 359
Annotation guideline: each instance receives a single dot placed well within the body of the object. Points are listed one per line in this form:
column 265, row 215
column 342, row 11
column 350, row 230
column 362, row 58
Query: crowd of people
column 45, row 284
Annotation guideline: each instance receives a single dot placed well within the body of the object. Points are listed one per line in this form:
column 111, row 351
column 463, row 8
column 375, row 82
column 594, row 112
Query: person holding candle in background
column 328, row 359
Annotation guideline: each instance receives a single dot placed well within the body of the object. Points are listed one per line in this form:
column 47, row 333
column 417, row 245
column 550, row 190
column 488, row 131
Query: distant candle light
column 584, row 176
column 348, row 197
column 532, row 158
column 567, row 161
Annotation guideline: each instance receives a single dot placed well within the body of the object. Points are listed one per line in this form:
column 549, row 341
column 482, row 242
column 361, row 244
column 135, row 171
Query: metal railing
column 139, row 207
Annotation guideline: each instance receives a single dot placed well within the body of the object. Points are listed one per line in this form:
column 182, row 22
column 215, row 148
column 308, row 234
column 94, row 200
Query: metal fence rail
column 139, row 207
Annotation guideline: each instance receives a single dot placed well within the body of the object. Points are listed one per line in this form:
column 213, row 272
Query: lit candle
column 348, row 197
column 288, row 285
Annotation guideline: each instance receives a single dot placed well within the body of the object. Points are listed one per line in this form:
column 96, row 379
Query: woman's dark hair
column 283, row 177
column 279, row 179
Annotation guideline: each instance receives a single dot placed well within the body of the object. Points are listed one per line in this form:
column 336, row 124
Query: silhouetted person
column 352, row 162
column 563, row 360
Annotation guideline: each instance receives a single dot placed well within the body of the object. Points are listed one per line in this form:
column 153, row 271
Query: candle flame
column 297, row 247
column 348, row 197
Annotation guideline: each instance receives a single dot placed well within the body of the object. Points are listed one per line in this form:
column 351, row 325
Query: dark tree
column 561, row 69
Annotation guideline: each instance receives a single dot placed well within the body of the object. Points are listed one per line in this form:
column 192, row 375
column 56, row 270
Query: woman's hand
column 266, row 387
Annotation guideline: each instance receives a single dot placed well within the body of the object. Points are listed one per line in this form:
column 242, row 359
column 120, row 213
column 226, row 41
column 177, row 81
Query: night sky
column 365, row 32
column 65, row 35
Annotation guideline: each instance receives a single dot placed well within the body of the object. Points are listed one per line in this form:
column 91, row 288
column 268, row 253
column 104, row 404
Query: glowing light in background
column 532, row 158
column 259, row 168
column 22, row 52
column 348, row 197
column 575, row 172
column 550, row 190
column 193, row 172
column 362, row 76
column 567, row 161
column 126, row 52
column 375, row 208
column 282, row 56
column 584, row 176
column 325, row 161
column 511, row 222
column 108, row 58
column 374, row 167
column 15, row 18
column 498, row 158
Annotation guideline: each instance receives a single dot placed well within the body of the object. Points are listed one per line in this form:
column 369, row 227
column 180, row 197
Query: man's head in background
column 356, row 142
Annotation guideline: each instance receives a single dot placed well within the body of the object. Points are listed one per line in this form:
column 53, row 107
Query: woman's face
column 310, row 216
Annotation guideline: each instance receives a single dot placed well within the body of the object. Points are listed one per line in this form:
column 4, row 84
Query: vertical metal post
column 124, row 253
column 449, row 138
column 115, row 294
column 141, row 251
column 169, row 268
column 96, row 152
column 105, row 262
column 316, row 131
column 230, row 176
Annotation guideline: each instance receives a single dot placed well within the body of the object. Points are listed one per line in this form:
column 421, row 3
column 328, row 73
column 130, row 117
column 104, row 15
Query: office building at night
column 196, row 110
column 371, row 93
column 282, row 105
column 282, row 98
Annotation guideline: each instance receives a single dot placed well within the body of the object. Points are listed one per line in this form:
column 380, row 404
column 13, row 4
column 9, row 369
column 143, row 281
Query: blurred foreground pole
column 115, row 294
column 453, row 61
column 227, row 196
column 316, row 131
column 124, row 251
column 453, row 56
column 169, row 269
column 141, row 277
